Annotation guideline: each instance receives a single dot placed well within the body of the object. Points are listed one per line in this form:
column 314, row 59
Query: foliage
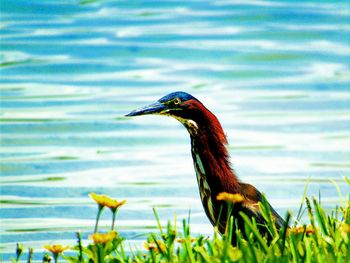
column 325, row 239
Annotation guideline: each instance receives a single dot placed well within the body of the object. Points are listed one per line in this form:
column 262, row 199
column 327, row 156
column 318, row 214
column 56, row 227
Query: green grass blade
column 284, row 232
column 255, row 231
column 321, row 217
column 300, row 211
column 158, row 221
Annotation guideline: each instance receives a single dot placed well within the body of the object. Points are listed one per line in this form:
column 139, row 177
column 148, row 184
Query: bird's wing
column 253, row 197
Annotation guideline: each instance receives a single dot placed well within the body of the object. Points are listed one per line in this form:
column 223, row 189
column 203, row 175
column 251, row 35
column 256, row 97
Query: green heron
column 211, row 161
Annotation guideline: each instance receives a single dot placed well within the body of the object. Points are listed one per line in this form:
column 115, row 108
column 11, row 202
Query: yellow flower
column 309, row 230
column 345, row 228
column 103, row 238
column 56, row 249
column 233, row 198
column 182, row 240
column 301, row 229
column 115, row 204
column 105, row 200
column 152, row 246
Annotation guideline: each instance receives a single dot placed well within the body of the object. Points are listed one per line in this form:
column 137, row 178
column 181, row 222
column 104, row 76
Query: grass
column 326, row 238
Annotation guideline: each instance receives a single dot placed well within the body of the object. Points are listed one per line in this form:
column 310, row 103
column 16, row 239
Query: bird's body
column 211, row 160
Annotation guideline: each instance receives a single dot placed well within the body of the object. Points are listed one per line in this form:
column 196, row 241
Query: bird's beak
column 155, row 108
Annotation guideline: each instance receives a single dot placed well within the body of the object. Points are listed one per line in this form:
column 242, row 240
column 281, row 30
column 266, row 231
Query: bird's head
column 173, row 104
column 183, row 107
column 180, row 105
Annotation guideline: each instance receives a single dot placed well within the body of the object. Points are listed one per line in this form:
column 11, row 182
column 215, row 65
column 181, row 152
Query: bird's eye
column 177, row 101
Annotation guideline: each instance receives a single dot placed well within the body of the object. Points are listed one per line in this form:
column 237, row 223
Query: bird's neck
column 211, row 161
column 210, row 154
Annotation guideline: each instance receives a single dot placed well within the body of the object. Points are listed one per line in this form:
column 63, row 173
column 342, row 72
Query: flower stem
column 30, row 255
column 114, row 211
column 80, row 246
column 100, row 253
column 100, row 208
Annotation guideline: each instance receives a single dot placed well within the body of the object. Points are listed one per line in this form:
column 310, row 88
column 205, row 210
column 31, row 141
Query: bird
column 212, row 165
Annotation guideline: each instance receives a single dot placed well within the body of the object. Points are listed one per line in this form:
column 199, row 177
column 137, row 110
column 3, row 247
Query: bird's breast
column 204, row 188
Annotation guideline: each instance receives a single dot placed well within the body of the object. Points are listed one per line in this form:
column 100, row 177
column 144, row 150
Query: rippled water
column 276, row 73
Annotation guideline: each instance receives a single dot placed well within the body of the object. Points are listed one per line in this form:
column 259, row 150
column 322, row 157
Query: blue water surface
column 276, row 74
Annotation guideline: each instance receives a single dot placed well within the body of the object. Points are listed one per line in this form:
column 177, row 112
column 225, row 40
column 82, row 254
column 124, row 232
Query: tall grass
column 326, row 238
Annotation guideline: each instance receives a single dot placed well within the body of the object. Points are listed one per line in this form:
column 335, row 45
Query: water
column 276, row 74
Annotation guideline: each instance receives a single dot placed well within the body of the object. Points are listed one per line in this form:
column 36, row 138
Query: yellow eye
column 177, row 101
